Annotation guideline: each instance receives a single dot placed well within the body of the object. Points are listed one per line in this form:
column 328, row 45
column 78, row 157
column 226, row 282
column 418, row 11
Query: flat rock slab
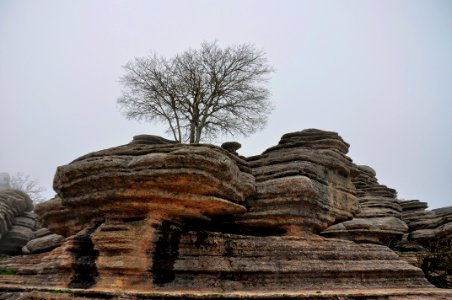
column 17, row 292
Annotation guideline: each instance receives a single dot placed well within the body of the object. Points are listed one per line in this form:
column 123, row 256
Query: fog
column 377, row 72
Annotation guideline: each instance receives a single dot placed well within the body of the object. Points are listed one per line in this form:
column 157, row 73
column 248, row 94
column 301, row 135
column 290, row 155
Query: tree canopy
column 200, row 93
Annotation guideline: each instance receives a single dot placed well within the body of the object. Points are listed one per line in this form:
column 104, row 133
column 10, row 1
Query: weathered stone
column 16, row 222
column 304, row 183
column 367, row 184
column 231, row 146
column 379, row 219
column 424, row 225
column 157, row 217
column 148, row 139
column 43, row 243
column 58, row 218
column 41, row 232
column 380, row 230
column 189, row 180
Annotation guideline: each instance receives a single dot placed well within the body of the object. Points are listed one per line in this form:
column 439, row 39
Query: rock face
column 304, row 184
column 154, row 216
column 135, row 189
column 379, row 219
column 17, row 222
column 426, row 226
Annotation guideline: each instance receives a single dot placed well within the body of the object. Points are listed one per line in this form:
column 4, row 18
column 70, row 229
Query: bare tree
column 200, row 94
column 26, row 184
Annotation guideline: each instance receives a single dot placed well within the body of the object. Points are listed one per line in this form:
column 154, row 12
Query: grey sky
column 377, row 72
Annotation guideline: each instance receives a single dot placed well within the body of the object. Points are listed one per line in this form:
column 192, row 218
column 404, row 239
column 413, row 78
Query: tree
column 31, row 187
column 200, row 94
column 437, row 262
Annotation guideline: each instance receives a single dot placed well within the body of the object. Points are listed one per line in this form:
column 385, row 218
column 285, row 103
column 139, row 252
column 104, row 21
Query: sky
column 377, row 72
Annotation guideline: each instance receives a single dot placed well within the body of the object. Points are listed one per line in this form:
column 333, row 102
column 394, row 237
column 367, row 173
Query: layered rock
column 135, row 188
column 58, row 218
column 219, row 261
column 379, row 219
column 163, row 217
column 304, row 184
column 134, row 180
column 17, row 222
column 426, row 226
column 43, row 240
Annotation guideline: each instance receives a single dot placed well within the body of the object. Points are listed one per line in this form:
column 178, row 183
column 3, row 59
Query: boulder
column 43, row 243
column 231, row 147
column 150, row 140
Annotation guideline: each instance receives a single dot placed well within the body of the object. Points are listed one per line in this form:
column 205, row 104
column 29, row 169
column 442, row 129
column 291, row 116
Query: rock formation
column 379, row 219
column 427, row 225
column 304, row 184
column 161, row 217
column 17, row 222
column 19, row 226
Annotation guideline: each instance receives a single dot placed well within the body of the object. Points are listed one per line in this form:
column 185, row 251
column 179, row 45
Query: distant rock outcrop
column 17, row 222
column 19, row 226
column 163, row 217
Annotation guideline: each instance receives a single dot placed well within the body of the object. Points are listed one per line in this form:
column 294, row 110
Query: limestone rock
column 134, row 188
column 303, row 183
column 379, row 219
column 223, row 262
column 367, row 184
column 231, row 147
column 380, row 230
column 432, row 225
column 158, row 217
column 17, row 223
column 20, row 233
column 148, row 139
column 58, row 218
column 43, row 243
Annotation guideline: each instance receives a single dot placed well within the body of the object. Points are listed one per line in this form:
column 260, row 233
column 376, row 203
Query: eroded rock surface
column 379, row 218
column 17, row 222
column 156, row 216
column 304, row 184
column 427, row 225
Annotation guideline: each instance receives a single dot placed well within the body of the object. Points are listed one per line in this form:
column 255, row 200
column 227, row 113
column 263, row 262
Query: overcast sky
column 377, row 72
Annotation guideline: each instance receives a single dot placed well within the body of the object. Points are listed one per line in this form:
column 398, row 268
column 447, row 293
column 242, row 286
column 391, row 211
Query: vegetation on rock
column 437, row 263
column 200, row 94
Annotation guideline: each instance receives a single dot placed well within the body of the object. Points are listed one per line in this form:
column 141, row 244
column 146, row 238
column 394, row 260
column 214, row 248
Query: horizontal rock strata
column 163, row 217
column 426, row 225
column 379, row 219
column 224, row 262
column 303, row 184
column 171, row 180
column 17, row 222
